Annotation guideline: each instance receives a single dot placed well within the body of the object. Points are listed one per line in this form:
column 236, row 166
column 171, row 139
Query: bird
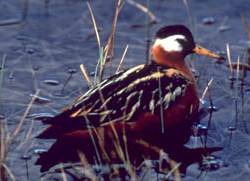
column 124, row 117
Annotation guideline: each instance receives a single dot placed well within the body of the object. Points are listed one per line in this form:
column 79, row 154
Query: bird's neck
column 173, row 60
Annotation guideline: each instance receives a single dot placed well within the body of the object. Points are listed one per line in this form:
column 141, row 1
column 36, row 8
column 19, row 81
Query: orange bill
column 203, row 51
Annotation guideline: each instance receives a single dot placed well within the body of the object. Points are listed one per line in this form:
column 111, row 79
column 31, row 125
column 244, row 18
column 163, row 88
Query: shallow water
column 57, row 35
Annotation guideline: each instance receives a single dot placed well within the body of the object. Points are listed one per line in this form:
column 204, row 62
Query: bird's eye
column 185, row 44
column 181, row 41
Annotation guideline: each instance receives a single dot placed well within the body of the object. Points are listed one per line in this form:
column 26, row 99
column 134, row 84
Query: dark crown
column 174, row 30
column 177, row 30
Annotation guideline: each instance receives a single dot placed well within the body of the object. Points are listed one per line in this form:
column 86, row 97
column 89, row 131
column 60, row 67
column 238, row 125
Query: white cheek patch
column 171, row 44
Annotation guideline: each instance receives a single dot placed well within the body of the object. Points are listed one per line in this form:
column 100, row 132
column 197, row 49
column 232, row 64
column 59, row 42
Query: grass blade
column 94, row 25
column 229, row 58
column 2, row 74
column 122, row 59
column 206, row 89
column 109, row 48
column 85, row 75
column 18, row 128
column 144, row 9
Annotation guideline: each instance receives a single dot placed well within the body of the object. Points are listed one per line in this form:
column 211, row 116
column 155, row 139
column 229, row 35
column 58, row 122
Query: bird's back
column 123, row 97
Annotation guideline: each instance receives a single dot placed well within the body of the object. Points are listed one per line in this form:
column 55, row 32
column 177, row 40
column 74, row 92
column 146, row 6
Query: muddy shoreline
column 54, row 37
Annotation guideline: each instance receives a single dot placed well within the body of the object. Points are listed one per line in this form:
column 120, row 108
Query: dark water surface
column 46, row 42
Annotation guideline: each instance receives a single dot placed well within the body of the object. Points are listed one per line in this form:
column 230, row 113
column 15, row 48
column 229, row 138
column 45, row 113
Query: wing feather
column 125, row 96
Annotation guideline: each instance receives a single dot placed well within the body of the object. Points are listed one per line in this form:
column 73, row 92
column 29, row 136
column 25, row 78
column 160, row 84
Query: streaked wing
column 125, row 95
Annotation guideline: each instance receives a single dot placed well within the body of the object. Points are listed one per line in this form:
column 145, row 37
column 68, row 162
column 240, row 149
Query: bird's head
column 174, row 42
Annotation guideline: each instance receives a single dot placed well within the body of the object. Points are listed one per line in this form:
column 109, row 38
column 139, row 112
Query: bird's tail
column 66, row 149
column 52, row 132
column 46, row 161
